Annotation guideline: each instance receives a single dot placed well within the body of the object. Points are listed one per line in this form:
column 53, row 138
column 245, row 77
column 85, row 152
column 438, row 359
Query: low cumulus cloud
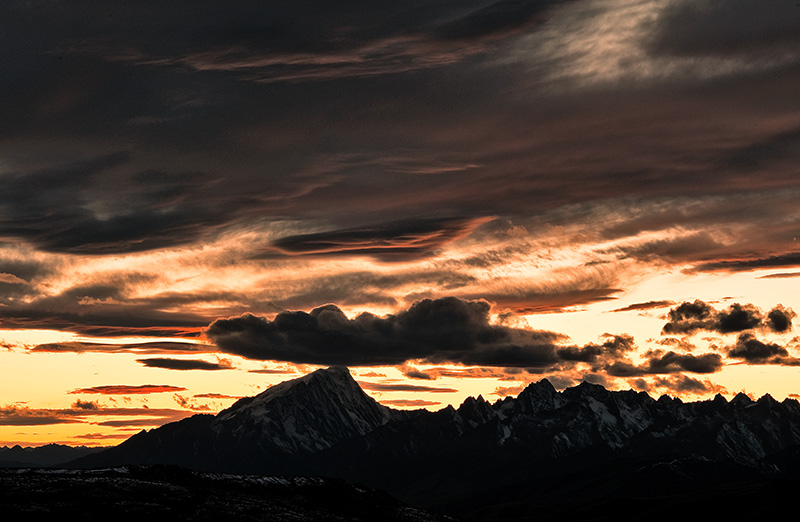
column 660, row 362
column 754, row 351
column 443, row 330
column 677, row 385
column 688, row 318
column 447, row 330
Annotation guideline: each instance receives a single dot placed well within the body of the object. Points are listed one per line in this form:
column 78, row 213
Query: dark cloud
column 753, row 351
column 159, row 347
column 649, row 305
column 185, row 364
column 415, row 373
column 293, row 41
column 616, row 346
column 779, row 319
column 441, row 330
column 673, row 250
column 671, row 362
column 727, row 27
column 14, row 416
column 738, row 318
column 215, row 396
column 272, row 371
column 554, row 300
column 660, row 362
column 688, row 318
column 409, row 403
column 100, row 310
column 447, row 330
column 85, row 405
column 782, row 275
column 21, row 416
column 678, row 385
column 51, row 207
column 398, row 241
column 746, row 264
column 123, row 389
column 378, row 387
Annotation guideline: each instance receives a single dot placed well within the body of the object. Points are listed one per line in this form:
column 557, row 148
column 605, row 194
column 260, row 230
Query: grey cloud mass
column 543, row 156
column 688, row 318
column 155, row 127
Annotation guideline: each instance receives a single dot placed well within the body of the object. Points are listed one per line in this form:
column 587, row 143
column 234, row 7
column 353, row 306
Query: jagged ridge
column 323, row 423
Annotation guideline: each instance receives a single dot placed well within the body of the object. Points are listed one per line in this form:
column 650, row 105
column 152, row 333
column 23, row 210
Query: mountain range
column 522, row 458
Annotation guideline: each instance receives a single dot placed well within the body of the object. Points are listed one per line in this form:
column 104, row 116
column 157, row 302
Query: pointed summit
column 585, row 389
column 308, row 413
column 540, row 396
column 741, row 400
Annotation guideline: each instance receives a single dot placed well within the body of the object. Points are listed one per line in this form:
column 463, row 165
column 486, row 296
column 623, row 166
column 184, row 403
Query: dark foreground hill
column 544, row 453
column 163, row 493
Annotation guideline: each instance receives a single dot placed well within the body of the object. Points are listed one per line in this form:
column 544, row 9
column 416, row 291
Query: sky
column 200, row 199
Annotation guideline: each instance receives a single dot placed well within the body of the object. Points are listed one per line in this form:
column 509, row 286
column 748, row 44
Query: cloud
column 687, row 318
column 185, row 364
column 123, row 389
column 272, row 371
column 508, row 390
column 415, row 373
column 215, row 396
column 286, row 43
column 752, row 263
column 649, row 305
column 447, row 329
column 615, row 346
column 753, row 351
column 152, row 216
column 17, row 416
column 726, row 28
column 678, row 385
column 14, row 416
column 399, row 241
column 378, row 387
column 158, row 347
column 661, row 362
column 85, row 405
column 437, row 331
column 409, row 403
column 782, row 275
column 779, row 319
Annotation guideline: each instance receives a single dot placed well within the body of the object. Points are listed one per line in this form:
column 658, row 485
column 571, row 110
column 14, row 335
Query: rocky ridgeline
column 324, row 424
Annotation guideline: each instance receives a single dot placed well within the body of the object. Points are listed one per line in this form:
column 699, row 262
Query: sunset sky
column 199, row 199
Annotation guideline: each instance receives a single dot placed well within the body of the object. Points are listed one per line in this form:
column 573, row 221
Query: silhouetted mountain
column 41, row 456
column 540, row 449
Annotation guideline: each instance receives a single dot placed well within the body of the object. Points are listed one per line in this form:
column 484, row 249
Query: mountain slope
column 277, row 431
column 531, row 449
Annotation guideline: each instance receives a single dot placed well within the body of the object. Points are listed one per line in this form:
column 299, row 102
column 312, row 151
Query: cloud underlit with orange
column 451, row 197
